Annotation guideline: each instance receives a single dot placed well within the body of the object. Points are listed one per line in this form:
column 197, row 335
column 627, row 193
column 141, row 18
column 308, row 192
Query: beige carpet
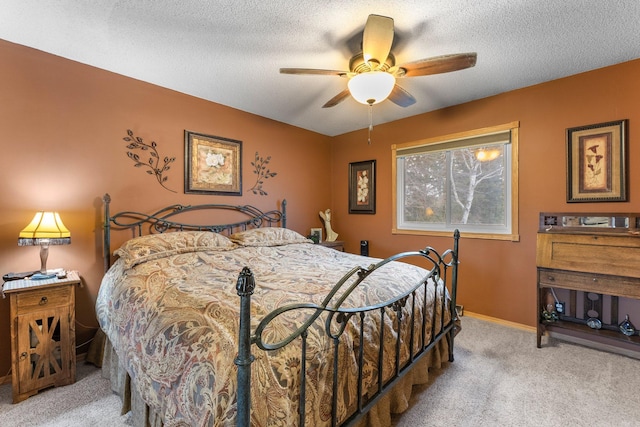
column 499, row 378
column 87, row 402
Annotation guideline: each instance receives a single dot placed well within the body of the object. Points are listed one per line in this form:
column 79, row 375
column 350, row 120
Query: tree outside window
column 464, row 184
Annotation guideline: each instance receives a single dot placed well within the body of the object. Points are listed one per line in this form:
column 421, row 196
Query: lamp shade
column 371, row 87
column 46, row 228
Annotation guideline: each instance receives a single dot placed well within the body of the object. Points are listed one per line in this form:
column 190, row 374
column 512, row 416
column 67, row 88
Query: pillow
column 154, row 246
column 269, row 236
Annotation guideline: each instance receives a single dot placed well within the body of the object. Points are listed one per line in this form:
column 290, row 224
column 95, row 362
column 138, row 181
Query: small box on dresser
column 43, row 337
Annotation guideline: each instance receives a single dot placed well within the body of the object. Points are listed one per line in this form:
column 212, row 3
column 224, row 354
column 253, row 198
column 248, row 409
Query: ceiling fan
column 373, row 72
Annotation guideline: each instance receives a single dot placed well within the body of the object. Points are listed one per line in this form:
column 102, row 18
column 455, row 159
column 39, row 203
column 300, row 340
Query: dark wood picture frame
column 597, row 163
column 213, row 165
column 362, row 187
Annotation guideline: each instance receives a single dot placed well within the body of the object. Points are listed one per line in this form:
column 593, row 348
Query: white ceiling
column 230, row 52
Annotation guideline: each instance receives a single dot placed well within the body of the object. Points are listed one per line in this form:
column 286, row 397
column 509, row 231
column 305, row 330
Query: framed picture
column 596, row 163
column 362, row 187
column 316, row 235
column 213, row 165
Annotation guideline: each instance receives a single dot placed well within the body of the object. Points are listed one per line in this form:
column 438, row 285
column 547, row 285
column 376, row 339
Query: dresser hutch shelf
column 593, row 259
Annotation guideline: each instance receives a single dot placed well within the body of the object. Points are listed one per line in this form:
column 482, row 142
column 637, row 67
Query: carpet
column 499, row 378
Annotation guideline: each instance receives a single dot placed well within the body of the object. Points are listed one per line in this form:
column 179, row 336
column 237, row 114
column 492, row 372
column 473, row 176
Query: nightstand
column 338, row 245
column 43, row 338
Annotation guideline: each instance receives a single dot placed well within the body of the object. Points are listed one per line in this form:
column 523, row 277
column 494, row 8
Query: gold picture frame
column 597, row 163
column 213, row 165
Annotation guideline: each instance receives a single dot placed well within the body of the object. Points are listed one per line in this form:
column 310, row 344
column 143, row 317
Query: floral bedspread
column 173, row 321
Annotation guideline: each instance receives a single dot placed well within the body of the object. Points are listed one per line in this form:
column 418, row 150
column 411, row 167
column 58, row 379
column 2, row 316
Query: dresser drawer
column 612, row 255
column 589, row 282
column 42, row 299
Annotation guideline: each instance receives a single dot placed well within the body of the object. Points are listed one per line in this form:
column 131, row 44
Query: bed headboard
column 174, row 218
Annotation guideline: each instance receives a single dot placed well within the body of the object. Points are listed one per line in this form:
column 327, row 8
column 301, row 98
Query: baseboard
column 7, row 378
column 500, row 321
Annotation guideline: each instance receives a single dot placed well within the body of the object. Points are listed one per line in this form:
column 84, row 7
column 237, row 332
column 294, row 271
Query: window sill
column 463, row 234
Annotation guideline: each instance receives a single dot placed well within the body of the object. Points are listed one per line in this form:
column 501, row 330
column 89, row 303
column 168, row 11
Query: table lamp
column 45, row 229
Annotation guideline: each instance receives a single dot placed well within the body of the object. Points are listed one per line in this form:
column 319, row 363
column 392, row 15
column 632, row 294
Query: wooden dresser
column 585, row 263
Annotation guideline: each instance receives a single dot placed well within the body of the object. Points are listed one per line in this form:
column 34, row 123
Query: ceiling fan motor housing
column 358, row 65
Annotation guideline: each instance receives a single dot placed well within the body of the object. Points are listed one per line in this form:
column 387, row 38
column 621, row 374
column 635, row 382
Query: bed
column 246, row 322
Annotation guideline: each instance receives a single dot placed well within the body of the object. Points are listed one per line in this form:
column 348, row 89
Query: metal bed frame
column 338, row 317
column 162, row 221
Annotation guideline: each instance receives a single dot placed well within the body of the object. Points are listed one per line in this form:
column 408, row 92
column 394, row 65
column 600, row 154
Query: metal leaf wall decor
column 260, row 169
column 154, row 166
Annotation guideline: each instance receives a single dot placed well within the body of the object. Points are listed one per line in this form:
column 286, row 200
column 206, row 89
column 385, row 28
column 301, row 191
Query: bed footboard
column 438, row 322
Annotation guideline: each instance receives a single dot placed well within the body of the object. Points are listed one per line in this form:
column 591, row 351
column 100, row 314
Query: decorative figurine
column 594, row 323
column 326, row 216
column 626, row 327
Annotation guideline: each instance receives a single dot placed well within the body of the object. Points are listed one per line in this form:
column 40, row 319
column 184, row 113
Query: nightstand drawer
column 42, row 298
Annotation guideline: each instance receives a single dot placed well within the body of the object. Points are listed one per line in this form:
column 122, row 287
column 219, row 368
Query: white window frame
column 506, row 133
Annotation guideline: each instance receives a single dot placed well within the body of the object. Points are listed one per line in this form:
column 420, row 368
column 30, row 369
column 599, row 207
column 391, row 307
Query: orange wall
column 61, row 130
column 498, row 278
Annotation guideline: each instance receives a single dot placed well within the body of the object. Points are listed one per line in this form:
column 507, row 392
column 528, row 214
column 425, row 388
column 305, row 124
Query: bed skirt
column 395, row 402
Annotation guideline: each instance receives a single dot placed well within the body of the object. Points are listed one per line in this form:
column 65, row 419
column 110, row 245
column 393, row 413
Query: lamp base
column 44, row 254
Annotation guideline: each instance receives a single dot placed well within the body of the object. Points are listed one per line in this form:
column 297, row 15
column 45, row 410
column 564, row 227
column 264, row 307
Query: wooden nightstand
column 43, row 338
column 338, row 245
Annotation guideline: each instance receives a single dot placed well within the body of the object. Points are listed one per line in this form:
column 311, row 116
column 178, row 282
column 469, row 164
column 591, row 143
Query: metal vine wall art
column 153, row 165
column 260, row 169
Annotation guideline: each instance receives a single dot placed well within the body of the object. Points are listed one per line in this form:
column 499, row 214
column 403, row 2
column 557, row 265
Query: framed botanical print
column 213, row 165
column 362, row 187
column 596, row 163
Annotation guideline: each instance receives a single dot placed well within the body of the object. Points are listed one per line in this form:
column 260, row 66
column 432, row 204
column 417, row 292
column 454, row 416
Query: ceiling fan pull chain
column 370, row 122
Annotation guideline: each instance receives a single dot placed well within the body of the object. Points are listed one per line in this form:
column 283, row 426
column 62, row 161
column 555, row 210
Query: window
column 466, row 181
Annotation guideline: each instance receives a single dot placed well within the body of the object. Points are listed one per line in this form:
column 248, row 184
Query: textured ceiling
column 230, row 52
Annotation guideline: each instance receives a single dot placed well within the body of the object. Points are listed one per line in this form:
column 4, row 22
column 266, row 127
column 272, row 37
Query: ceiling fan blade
column 337, row 99
column 313, row 71
column 401, row 97
column 376, row 40
column 438, row 65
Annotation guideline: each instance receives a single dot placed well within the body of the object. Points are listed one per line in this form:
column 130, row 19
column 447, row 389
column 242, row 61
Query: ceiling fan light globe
column 372, row 87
